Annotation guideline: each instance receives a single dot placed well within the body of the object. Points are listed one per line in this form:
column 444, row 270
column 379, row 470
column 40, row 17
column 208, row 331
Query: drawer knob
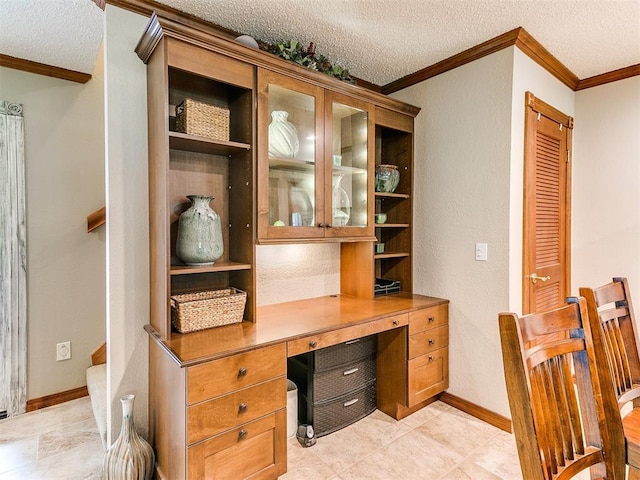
column 431, row 341
column 313, row 344
column 242, row 372
column 242, row 434
column 242, row 408
column 430, row 358
column 431, row 319
column 396, row 322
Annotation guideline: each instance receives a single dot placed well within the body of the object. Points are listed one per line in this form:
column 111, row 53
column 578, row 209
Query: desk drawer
column 215, row 416
column 223, row 376
column 428, row 375
column 259, row 446
column 333, row 337
column 426, row 318
column 428, row 341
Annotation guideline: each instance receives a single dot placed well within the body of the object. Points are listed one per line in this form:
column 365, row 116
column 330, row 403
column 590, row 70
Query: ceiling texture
column 377, row 40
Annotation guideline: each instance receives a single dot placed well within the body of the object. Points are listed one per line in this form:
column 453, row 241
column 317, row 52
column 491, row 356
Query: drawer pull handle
column 349, row 372
column 431, row 319
column 351, row 342
column 350, row 402
column 430, row 358
column 313, row 344
column 242, row 408
column 242, row 372
column 396, row 322
column 431, row 341
column 242, row 434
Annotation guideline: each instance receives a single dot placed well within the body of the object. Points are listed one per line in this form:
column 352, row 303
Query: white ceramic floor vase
column 283, row 137
column 130, row 457
column 199, row 240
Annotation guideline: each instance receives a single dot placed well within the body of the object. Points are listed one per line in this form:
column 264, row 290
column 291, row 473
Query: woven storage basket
column 206, row 309
column 199, row 118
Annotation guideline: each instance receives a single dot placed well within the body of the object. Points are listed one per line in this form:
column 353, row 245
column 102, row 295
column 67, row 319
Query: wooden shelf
column 392, row 225
column 216, row 267
column 193, row 143
column 380, row 256
column 391, row 195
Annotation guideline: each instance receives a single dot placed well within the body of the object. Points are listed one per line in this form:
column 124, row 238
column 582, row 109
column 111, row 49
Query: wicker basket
column 206, row 309
column 202, row 119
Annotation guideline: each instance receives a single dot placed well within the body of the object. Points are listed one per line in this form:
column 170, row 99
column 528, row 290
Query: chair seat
column 631, row 425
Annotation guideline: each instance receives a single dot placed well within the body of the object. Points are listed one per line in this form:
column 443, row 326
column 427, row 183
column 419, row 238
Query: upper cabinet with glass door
column 314, row 170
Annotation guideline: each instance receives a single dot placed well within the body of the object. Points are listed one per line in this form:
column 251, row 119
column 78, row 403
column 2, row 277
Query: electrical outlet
column 63, row 351
column 481, row 252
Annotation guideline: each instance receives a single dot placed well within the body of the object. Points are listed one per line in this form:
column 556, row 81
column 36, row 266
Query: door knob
column 534, row 278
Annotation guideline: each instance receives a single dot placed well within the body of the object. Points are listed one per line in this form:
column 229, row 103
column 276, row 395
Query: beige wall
column 606, row 180
column 64, row 157
column 462, row 157
column 128, row 225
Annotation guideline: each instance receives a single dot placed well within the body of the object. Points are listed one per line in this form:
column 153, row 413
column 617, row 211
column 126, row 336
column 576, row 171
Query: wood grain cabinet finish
column 254, row 451
column 428, row 364
column 226, row 375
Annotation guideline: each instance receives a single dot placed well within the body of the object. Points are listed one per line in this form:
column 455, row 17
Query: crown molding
column 518, row 37
column 43, row 69
column 613, row 76
column 474, row 53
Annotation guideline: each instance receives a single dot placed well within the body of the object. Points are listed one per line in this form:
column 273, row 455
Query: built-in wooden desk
column 220, row 394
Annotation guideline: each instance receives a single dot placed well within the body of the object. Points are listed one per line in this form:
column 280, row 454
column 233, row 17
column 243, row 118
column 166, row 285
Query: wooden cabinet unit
column 315, row 163
column 413, row 364
column 217, row 397
column 182, row 164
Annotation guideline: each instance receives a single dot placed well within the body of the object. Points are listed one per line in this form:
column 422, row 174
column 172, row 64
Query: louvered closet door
column 546, row 243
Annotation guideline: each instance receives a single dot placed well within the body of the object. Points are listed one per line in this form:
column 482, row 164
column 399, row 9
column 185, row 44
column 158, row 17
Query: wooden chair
column 557, row 406
column 614, row 333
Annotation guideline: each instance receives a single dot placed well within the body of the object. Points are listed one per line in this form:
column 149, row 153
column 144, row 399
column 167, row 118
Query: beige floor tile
column 14, row 454
column 303, row 464
column 435, row 443
column 425, row 414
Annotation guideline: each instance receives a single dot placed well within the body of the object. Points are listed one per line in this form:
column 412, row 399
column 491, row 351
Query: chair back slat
column 554, row 395
column 610, row 309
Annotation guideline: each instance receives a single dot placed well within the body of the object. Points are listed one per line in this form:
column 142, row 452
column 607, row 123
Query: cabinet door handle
column 242, row 372
column 351, row 342
column 321, row 225
column 328, row 225
column 242, row 408
column 349, row 372
column 431, row 341
column 350, row 402
column 313, row 344
column 242, row 434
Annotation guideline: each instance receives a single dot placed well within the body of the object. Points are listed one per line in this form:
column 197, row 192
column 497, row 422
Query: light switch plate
column 481, row 252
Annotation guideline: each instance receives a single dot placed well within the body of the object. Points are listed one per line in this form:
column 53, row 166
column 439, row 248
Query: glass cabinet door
column 349, row 143
column 290, row 158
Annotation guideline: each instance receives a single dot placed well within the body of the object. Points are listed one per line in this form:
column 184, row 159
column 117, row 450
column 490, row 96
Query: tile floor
column 437, row 443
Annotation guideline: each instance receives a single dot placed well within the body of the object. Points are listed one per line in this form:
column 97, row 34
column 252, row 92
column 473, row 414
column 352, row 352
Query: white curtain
column 13, row 262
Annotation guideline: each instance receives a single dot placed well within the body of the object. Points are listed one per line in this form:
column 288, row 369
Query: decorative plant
column 294, row 51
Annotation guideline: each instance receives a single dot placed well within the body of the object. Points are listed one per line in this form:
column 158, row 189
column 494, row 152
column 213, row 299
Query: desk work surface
column 288, row 321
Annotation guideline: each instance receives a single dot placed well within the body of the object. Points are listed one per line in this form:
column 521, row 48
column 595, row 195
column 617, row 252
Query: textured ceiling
column 377, row 40
column 62, row 33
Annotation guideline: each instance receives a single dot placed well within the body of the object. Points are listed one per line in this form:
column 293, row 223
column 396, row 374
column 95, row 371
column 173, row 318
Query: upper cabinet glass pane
column 349, row 158
column 292, row 150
